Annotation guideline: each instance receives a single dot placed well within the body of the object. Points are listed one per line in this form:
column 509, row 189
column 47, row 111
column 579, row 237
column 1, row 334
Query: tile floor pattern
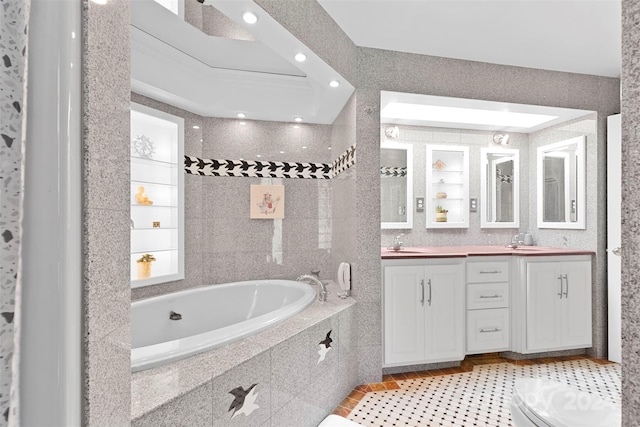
column 476, row 394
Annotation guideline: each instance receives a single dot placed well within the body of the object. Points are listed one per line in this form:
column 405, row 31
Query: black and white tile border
column 13, row 42
column 386, row 171
column 267, row 169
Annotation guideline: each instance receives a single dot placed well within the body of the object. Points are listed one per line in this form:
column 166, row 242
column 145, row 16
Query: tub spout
column 322, row 293
column 175, row 316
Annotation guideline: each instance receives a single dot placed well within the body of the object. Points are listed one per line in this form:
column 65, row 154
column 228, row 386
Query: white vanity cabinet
column 557, row 302
column 488, row 322
column 423, row 311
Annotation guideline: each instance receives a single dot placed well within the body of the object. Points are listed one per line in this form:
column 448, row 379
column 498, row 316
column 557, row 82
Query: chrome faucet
column 322, row 293
column 516, row 240
column 397, row 244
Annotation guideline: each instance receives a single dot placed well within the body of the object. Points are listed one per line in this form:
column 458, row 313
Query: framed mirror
column 396, row 185
column 500, row 188
column 561, row 184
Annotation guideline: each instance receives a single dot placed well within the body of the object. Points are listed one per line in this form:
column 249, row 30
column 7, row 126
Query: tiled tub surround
column 299, row 380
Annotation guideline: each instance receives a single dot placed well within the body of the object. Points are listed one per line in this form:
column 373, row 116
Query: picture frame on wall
column 267, row 202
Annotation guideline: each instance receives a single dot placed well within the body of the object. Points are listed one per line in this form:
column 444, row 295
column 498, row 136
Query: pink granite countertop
column 488, row 250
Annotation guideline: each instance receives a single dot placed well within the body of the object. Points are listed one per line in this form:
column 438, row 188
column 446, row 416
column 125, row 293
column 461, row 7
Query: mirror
column 561, row 184
column 500, row 188
column 396, row 185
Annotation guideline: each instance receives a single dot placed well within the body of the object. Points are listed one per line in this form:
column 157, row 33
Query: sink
column 405, row 251
column 529, row 248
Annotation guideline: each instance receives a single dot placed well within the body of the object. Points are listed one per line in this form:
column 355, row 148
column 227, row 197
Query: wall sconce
column 392, row 132
column 501, row 139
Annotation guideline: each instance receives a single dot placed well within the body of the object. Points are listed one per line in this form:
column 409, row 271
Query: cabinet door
column 403, row 315
column 444, row 313
column 576, row 310
column 544, row 305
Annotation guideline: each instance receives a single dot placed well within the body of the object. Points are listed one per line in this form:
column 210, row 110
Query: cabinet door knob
column 422, row 286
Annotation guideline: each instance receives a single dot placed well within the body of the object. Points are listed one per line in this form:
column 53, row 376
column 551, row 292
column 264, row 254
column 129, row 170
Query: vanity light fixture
column 297, row 119
column 300, row 57
column 501, row 139
column 334, row 83
column 241, row 115
column 250, row 18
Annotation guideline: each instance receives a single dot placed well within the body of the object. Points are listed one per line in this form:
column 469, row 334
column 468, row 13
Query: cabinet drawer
column 487, row 295
column 490, row 271
column 487, row 330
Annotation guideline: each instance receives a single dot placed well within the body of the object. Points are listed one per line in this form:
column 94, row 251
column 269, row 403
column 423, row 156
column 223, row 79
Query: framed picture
column 267, row 201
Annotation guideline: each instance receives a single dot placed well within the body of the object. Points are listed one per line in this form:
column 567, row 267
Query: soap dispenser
column 528, row 239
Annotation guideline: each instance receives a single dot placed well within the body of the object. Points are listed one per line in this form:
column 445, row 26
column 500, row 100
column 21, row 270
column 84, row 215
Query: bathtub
column 211, row 317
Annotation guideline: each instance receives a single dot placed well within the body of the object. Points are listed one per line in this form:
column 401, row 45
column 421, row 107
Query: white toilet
column 540, row 402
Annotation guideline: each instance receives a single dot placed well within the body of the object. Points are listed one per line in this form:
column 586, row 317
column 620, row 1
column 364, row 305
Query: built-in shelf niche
column 447, row 186
column 157, row 141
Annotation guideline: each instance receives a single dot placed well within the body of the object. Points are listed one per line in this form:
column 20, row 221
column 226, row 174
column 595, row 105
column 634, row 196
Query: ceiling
column 578, row 36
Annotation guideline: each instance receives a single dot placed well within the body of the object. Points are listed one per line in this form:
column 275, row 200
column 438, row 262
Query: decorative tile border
column 386, row 171
column 266, row 169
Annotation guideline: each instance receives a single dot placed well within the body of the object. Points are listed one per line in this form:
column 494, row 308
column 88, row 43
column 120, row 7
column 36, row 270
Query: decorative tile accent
column 344, row 161
column 245, row 401
column 267, row 169
column 386, row 171
column 325, row 346
column 476, row 393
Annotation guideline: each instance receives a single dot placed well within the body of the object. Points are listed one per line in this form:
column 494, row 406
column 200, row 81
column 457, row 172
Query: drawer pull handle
column 483, row 331
column 489, row 296
column 490, row 272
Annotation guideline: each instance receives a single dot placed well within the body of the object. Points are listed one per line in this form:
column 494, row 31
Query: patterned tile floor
column 478, row 393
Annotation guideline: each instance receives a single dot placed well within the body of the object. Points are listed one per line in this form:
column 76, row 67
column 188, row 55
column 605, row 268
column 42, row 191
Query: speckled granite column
column 630, row 103
column 106, row 318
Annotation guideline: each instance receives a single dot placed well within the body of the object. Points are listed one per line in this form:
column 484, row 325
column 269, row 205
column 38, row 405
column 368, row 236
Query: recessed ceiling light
column 296, row 126
column 282, row 152
column 298, row 119
column 304, row 146
column 329, row 148
column 243, row 123
column 196, row 127
column 250, row 17
column 334, row 83
column 258, row 155
column 300, row 57
column 433, row 113
column 200, row 140
column 241, row 115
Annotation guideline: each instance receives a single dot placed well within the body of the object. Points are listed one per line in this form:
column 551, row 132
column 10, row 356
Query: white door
column 576, row 304
column 404, row 311
column 444, row 313
column 614, row 201
column 544, row 305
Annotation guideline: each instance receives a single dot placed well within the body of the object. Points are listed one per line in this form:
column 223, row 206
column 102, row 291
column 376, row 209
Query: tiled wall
column 630, row 214
column 105, row 208
column 419, row 235
column 222, row 244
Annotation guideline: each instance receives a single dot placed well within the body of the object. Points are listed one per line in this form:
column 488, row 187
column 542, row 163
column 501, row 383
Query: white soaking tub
column 174, row 326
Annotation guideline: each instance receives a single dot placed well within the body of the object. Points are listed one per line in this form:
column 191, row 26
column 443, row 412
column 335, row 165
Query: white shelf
column 162, row 177
column 456, row 159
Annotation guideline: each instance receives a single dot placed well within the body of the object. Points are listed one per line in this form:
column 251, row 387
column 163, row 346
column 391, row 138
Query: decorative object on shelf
column 144, row 266
column 441, row 195
column 267, row 202
column 143, row 147
column 441, row 214
column 439, row 165
column 156, row 224
column 441, row 181
column 142, row 198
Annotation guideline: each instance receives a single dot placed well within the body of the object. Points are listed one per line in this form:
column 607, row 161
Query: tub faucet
column 322, row 293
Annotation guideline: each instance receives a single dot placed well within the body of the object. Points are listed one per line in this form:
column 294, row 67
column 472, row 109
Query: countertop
column 488, row 250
